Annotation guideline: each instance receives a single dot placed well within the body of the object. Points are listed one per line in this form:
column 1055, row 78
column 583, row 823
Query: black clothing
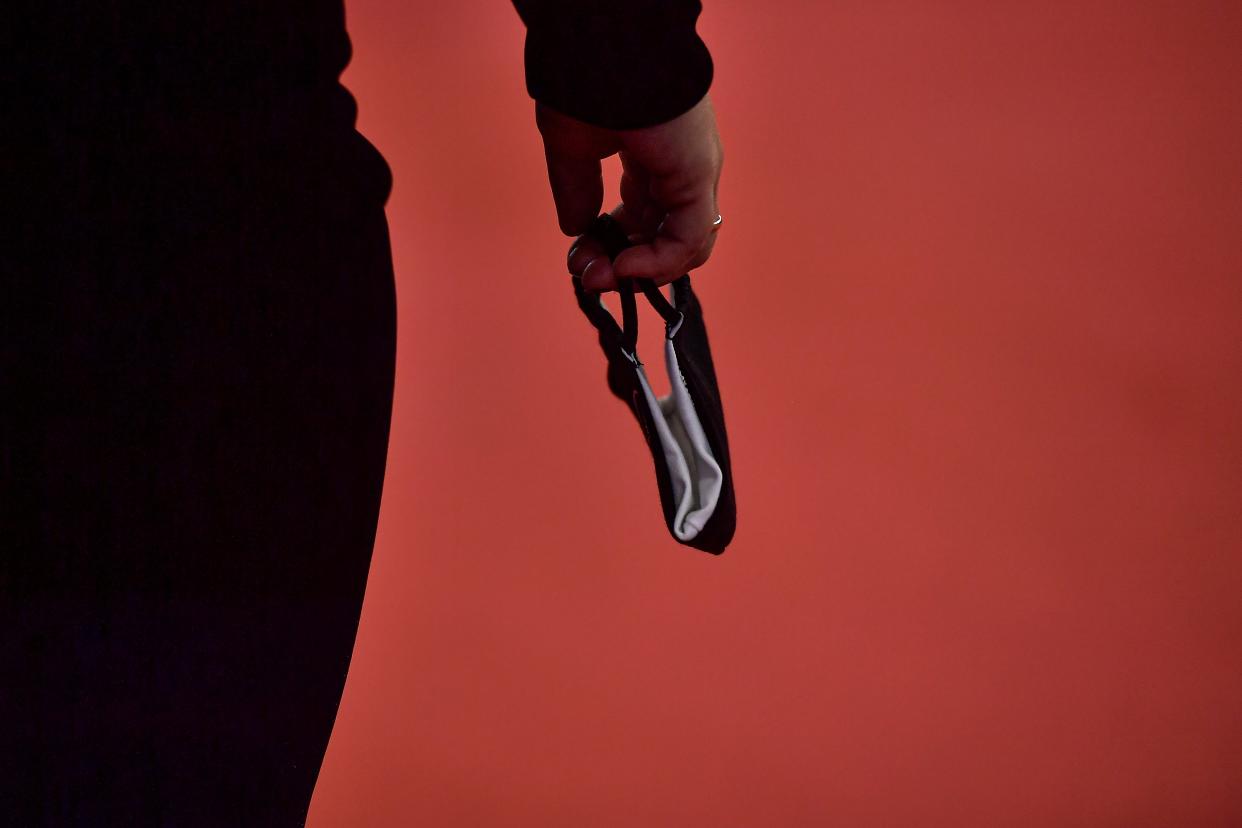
column 621, row 64
column 135, row 65
column 197, row 347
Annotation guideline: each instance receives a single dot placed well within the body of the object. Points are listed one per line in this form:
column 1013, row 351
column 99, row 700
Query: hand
column 670, row 177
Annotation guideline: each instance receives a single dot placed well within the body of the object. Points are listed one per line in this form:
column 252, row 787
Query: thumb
column 677, row 246
column 578, row 190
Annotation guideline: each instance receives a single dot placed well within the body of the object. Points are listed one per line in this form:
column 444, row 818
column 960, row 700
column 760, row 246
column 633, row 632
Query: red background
column 975, row 306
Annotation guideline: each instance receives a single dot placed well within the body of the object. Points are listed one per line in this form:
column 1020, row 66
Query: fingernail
column 586, row 281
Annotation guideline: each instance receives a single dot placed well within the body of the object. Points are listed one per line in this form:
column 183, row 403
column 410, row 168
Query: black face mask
column 685, row 430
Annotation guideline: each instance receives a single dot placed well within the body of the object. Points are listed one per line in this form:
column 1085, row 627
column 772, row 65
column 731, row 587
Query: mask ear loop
column 629, row 313
column 595, row 311
column 672, row 317
column 629, row 320
column 606, row 229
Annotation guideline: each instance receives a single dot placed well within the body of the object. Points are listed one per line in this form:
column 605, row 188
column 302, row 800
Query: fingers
column 641, row 213
column 577, row 189
column 705, row 253
column 573, row 151
column 683, row 241
column 589, row 261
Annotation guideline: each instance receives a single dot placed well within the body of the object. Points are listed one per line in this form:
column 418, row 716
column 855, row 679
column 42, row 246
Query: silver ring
column 719, row 218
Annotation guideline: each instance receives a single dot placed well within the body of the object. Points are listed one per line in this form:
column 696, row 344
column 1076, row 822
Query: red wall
column 976, row 309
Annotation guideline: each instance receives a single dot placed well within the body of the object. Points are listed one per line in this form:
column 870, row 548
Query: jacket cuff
column 618, row 65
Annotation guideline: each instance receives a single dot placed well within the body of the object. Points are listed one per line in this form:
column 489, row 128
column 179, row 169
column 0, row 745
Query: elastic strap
column 608, row 231
column 629, row 318
column 656, row 297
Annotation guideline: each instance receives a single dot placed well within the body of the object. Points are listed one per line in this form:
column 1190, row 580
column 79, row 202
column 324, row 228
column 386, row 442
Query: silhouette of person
column 197, row 373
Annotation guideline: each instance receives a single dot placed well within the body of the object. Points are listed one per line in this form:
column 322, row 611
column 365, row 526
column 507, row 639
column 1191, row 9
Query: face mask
column 685, row 430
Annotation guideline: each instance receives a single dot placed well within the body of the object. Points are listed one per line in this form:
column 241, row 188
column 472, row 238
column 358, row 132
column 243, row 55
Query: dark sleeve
column 621, row 64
